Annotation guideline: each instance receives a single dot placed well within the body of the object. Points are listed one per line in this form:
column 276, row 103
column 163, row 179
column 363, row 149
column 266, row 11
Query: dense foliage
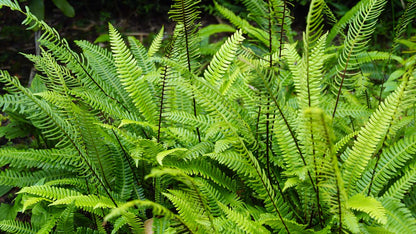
column 255, row 133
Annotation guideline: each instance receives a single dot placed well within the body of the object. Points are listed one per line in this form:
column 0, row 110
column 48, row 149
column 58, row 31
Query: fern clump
column 259, row 134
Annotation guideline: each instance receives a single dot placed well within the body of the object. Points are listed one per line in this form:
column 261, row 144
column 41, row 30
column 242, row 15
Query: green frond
column 360, row 30
column 103, row 69
column 32, row 201
column 350, row 221
column 44, row 117
column 405, row 19
column 158, row 210
column 274, row 222
column 201, row 121
column 13, row 5
column 189, row 208
column 372, row 133
column 314, row 23
column 13, row 226
column 118, row 224
column 98, row 101
column 403, row 185
column 345, row 20
column 98, row 154
column 50, row 192
column 410, row 200
column 85, row 202
column 48, row 226
column 131, row 77
column 207, row 170
column 19, row 178
column 140, row 54
column 222, row 59
column 388, row 165
column 156, row 43
column 42, row 158
column 368, row 205
column 136, row 225
column 243, row 221
column 399, row 218
column 243, row 24
column 185, row 12
column 65, row 222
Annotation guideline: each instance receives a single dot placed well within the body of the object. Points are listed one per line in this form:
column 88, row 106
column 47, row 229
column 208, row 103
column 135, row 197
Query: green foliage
column 254, row 134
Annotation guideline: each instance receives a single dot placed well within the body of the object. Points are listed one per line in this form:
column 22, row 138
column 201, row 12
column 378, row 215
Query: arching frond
column 372, row 133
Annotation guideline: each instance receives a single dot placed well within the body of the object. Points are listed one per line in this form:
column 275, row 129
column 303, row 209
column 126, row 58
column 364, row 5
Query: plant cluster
column 255, row 133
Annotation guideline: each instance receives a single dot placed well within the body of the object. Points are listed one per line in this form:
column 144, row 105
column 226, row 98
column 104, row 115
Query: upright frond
column 131, row 77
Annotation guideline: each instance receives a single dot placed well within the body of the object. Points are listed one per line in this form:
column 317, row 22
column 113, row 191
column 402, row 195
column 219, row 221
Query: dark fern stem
column 188, row 56
column 162, row 99
column 268, row 98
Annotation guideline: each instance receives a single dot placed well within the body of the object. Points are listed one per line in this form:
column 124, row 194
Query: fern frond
column 242, row 221
column 372, row 133
column 345, row 20
column 85, row 202
column 222, row 59
column 131, row 77
column 13, row 5
column 403, row 185
column 243, row 24
column 27, row 178
column 157, row 210
column 103, row 69
column 407, row 17
column 13, row 226
column 369, row 205
column 388, row 165
column 186, row 13
column 140, row 54
column 43, row 158
column 65, row 222
column 356, row 41
column 156, row 43
column 399, row 218
column 50, row 192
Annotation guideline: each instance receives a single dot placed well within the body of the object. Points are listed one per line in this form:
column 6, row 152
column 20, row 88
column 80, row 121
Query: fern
column 233, row 136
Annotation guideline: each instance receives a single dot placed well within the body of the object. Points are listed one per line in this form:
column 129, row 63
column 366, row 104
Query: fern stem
column 340, row 86
column 188, row 57
column 162, row 98
column 271, row 199
column 268, row 98
column 292, row 134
